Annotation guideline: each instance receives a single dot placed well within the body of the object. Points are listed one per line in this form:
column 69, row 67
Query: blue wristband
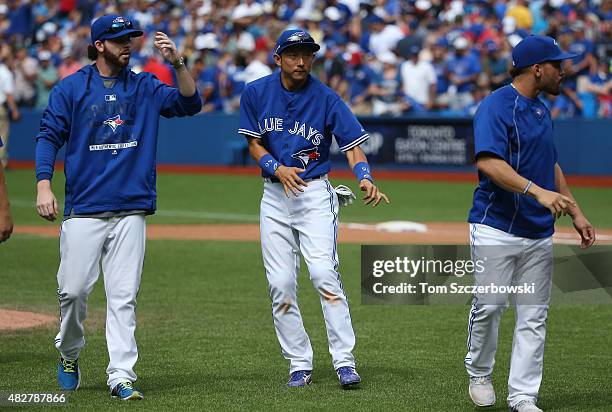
column 268, row 164
column 362, row 171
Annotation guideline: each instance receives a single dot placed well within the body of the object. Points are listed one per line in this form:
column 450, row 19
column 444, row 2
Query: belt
column 274, row 179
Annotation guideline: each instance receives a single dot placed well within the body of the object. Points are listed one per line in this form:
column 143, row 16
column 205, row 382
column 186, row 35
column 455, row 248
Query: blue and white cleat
column 125, row 392
column 300, row 379
column 68, row 374
column 348, row 376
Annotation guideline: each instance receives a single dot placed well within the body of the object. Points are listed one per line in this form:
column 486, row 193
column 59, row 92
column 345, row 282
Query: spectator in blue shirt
column 496, row 65
column 585, row 63
column 362, row 82
column 208, row 84
column 464, row 69
column 440, row 64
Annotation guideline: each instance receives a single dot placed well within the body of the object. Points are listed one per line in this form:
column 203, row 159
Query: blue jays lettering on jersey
column 297, row 127
column 110, row 136
column 518, row 130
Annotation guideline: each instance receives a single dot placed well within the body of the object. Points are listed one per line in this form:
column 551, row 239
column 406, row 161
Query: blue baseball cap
column 112, row 26
column 537, row 49
column 294, row 37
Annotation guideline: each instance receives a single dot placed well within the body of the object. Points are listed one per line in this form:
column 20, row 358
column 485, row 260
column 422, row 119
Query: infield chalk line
column 236, row 217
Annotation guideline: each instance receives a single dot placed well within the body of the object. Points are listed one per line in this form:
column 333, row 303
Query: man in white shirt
column 7, row 88
column 257, row 68
column 384, row 37
column 418, row 79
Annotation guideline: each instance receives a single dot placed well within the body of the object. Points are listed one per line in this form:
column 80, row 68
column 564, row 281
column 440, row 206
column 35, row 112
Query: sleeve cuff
column 43, row 176
column 355, row 142
column 249, row 133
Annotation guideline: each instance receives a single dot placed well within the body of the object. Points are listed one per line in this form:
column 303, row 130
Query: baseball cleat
column 525, row 406
column 125, row 392
column 300, row 379
column 68, row 374
column 481, row 390
column 348, row 376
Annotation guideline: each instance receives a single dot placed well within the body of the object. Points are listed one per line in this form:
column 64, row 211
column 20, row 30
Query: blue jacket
column 110, row 136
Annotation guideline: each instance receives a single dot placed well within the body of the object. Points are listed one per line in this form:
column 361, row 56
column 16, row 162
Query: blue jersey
column 110, row 136
column 518, row 130
column 582, row 48
column 297, row 127
column 464, row 66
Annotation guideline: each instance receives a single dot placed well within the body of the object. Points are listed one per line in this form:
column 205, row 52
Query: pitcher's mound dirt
column 14, row 319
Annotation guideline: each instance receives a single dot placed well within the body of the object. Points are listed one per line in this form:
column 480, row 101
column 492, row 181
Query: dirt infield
column 13, row 320
column 435, row 233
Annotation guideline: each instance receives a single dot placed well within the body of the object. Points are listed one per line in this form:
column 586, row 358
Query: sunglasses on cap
column 119, row 26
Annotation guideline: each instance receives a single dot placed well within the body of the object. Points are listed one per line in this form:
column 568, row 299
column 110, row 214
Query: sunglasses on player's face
column 119, row 26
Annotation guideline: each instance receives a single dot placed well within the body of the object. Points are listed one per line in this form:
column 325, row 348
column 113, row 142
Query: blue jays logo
column 114, row 122
column 298, row 36
column 306, row 156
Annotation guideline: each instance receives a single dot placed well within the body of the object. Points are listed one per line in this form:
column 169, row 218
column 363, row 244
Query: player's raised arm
column 167, row 48
column 358, row 163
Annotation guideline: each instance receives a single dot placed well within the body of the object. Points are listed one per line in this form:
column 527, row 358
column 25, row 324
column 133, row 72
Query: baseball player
column 289, row 119
column 107, row 116
column 6, row 223
column 521, row 192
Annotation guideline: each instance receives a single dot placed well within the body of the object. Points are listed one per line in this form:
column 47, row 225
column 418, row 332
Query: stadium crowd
column 384, row 57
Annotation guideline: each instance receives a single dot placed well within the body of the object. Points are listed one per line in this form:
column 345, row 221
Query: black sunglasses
column 119, row 26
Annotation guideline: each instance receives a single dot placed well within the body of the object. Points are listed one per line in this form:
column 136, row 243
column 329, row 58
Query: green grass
column 206, row 340
column 205, row 333
column 235, row 199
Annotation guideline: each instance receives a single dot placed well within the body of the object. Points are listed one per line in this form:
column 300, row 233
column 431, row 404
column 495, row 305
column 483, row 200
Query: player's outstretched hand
column 46, row 203
column 584, row 229
column 373, row 195
column 557, row 203
column 292, row 183
column 167, row 47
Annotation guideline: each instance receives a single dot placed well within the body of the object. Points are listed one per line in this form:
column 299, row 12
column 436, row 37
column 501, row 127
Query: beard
column 115, row 59
column 553, row 88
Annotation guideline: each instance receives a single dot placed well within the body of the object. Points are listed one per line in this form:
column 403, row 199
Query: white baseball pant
column 118, row 243
column 510, row 260
column 305, row 224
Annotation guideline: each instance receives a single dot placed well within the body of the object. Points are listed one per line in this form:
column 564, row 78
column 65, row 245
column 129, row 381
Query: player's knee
column 73, row 294
column 322, row 271
column 122, row 298
column 281, row 289
column 486, row 311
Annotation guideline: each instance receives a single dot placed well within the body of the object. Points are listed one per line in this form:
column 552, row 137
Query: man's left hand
column 167, row 48
column 585, row 230
column 373, row 195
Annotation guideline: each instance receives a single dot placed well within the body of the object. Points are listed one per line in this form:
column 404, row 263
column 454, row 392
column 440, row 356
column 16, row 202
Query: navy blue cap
column 112, row 26
column 537, row 49
column 441, row 41
column 294, row 37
